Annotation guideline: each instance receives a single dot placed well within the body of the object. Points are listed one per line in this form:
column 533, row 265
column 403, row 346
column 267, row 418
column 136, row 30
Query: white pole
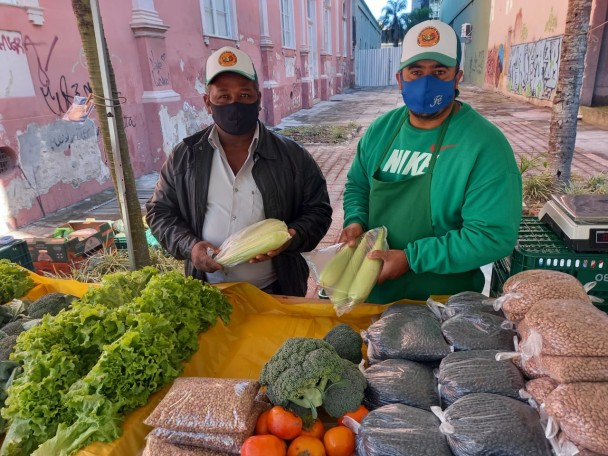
column 111, row 115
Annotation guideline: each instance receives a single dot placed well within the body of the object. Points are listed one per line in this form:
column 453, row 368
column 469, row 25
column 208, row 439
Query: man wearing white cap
column 233, row 174
column 439, row 176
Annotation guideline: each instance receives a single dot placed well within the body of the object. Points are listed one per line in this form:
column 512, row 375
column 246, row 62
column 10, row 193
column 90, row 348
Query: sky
column 375, row 6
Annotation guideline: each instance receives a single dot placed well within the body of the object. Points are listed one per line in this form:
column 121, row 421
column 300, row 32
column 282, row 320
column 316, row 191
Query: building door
column 313, row 56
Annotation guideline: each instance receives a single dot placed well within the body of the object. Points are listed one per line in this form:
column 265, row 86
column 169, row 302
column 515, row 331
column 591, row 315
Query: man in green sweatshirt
column 438, row 175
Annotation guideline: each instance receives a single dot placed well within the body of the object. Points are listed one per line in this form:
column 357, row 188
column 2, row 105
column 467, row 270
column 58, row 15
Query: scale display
column 580, row 220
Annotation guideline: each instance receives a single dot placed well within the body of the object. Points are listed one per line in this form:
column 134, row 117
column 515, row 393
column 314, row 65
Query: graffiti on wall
column 158, row 67
column 495, row 65
column 15, row 78
column 477, row 63
column 534, row 68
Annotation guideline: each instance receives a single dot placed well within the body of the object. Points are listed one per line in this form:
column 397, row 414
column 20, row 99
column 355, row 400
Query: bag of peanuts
column 572, row 369
column 522, row 290
column 581, row 412
column 564, row 447
column 211, row 405
column 564, row 327
column 538, row 389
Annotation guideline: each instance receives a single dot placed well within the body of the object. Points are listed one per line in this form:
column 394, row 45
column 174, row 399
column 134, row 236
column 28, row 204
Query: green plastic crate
column 17, row 252
column 538, row 247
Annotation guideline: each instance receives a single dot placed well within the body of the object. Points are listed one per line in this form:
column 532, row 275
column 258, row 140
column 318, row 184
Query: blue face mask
column 428, row 94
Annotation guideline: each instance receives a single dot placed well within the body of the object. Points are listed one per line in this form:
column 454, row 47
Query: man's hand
column 268, row 255
column 394, row 263
column 201, row 259
column 350, row 234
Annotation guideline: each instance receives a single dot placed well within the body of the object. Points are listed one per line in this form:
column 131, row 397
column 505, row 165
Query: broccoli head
column 51, row 303
column 346, row 395
column 346, row 341
column 299, row 372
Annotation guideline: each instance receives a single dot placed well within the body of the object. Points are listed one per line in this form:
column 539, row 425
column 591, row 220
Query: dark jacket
column 292, row 186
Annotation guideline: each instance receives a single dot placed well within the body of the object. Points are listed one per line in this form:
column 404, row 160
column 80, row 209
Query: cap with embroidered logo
column 431, row 40
column 229, row 60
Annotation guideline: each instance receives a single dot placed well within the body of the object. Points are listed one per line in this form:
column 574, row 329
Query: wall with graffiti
column 524, row 47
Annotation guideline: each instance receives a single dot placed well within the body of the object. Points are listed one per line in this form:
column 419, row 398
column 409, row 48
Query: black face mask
column 236, row 118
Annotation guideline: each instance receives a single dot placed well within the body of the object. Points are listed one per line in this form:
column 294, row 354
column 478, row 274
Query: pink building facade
column 302, row 50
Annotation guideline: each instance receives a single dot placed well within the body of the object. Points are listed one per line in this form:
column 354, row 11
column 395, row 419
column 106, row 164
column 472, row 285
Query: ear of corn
column 339, row 294
column 335, row 267
column 367, row 275
column 256, row 239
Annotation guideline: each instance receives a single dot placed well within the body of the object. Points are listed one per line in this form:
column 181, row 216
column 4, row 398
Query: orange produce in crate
column 339, row 441
column 306, row 446
column 283, row 423
column 261, row 425
column 317, row 429
column 356, row 415
column 264, row 445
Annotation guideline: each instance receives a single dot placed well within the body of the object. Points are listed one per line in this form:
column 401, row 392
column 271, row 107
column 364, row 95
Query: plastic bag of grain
column 201, row 404
column 581, row 411
column 489, row 424
column 469, row 302
column 400, row 381
column 572, row 369
column 522, row 290
column 482, row 331
column 158, row 447
column 477, row 371
column 564, row 447
column 538, row 389
column 405, row 331
column 401, row 430
column 565, row 327
column 229, row 442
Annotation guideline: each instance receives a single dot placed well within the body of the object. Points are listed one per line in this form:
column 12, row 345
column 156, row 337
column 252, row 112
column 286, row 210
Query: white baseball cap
column 229, row 59
column 431, row 40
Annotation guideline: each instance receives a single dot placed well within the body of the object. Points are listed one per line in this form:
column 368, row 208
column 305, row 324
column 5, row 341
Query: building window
column 218, row 18
column 287, row 24
column 327, row 27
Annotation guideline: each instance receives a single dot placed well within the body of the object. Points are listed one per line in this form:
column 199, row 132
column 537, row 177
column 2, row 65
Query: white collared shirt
column 233, row 203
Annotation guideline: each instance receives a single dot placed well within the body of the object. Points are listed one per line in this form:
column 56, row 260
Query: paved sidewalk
column 526, row 127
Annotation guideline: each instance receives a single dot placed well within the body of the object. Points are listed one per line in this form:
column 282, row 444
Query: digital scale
column 581, row 221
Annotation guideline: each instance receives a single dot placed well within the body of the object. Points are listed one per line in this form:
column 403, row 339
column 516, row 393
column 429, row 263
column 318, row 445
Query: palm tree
column 84, row 18
column 416, row 17
column 392, row 21
column 564, row 116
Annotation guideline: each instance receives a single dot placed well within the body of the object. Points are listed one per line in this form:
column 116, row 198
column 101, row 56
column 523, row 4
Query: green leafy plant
column 14, row 281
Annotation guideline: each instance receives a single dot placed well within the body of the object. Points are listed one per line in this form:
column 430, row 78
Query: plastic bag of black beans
column 489, row 424
column 406, row 331
column 477, row 371
column 467, row 331
column 401, row 430
column 469, row 302
column 400, row 381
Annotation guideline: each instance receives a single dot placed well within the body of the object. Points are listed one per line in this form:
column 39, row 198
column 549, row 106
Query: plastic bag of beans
column 400, row 381
column 564, row 447
column 158, row 447
column 477, row 371
column 200, row 404
column 564, row 327
column 581, row 413
column 406, row 331
column 489, row 424
column 482, row 331
column 229, row 442
column 400, row 430
column 522, row 290
column 572, row 369
column 469, row 302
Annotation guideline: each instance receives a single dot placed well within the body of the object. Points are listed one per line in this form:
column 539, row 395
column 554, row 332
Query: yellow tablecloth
column 259, row 324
